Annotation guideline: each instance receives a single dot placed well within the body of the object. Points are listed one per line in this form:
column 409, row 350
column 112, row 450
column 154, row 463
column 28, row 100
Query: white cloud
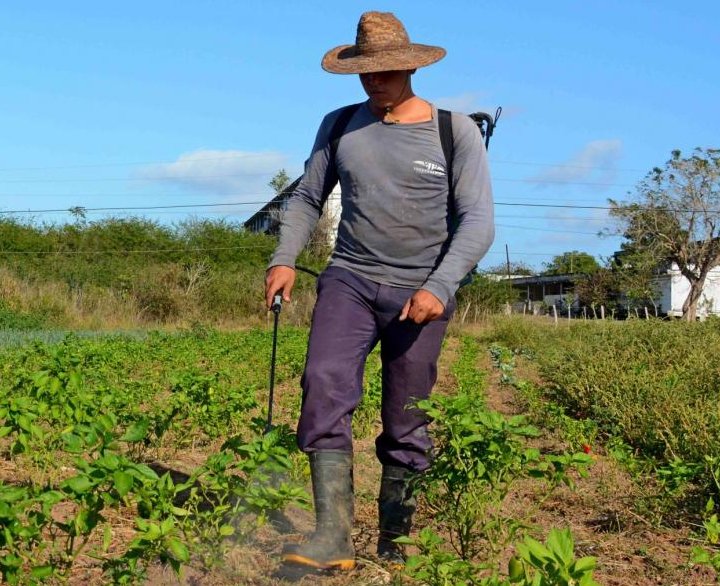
column 218, row 172
column 595, row 163
column 467, row 102
column 471, row 102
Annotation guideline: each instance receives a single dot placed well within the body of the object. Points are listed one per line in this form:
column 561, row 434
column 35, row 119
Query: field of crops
column 651, row 384
column 88, row 427
column 123, row 455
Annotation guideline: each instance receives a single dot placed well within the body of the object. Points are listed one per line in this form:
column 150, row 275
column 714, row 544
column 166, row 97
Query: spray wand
column 276, row 307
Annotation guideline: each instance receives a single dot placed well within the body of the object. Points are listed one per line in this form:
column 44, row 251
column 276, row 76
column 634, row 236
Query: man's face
column 384, row 88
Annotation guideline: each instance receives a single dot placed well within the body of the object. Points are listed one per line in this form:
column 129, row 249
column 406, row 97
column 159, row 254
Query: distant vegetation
column 572, row 262
column 134, row 272
column 128, row 272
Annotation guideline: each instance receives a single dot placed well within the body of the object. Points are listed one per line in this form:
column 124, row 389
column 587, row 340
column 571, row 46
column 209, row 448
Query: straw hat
column 381, row 44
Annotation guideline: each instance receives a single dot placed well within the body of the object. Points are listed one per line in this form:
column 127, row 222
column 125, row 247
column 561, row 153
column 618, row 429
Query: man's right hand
column 278, row 278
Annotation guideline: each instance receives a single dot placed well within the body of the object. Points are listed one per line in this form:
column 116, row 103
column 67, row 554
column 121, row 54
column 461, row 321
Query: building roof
column 547, row 279
column 274, row 203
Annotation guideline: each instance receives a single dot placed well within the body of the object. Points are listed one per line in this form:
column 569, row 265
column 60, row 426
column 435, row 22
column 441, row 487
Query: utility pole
column 507, row 260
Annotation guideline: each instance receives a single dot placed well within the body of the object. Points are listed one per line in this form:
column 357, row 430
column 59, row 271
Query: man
column 404, row 243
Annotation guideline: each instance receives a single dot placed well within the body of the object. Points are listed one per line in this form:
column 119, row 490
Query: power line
column 242, row 156
column 238, row 175
column 510, row 217
column 82, row 209
column 231, row 204
column 562, row 182
column 157, row 178
column 545, row 229
column 565, row 166
column 138, row 251
column 560, row 218
column 80, row 196
column 497, row 216
column 139, row 194
column 549, row 205
column 141, row 163
column 197, row 249
column 520, row 252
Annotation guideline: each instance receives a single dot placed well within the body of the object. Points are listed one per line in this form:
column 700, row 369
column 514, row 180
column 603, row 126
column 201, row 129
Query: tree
column 322, row 238
column 598, row 289
column 674, row 219
column 572, row 262
column 635, row 278
column 516, row 268
column 279, row 181
column 485, row 295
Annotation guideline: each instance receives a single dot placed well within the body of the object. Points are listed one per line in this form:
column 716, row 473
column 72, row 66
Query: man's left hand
column 422, row 307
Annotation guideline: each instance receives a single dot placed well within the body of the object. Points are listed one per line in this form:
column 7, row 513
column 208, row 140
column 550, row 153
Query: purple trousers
column 351, row 316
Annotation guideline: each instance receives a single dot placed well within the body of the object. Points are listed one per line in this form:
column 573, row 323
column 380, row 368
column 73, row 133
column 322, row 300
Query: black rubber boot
column 396, row 507
column 330, row 547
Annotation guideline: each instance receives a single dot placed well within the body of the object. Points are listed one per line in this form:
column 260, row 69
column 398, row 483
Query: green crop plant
column 480, row 455
column 709, row 553
column 24, row 516
column 235, row 491
column 580, row 434
column 535, row 564
column 552, row 563
column 207, row 402
column 19, row 421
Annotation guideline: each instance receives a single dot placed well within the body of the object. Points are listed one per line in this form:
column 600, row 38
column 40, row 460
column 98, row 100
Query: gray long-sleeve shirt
column 396, row 225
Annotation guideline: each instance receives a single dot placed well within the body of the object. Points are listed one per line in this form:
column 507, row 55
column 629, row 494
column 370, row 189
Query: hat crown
column 381, row 44
column 378, row 32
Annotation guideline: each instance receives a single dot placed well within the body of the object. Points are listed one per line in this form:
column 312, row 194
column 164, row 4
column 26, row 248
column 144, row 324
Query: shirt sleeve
column 305, row 205
column 475, row 229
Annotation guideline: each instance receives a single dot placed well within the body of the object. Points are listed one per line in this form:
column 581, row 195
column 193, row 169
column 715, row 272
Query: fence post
column 464, row 315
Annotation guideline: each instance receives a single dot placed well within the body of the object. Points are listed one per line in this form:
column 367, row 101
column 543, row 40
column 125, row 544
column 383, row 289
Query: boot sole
column 330, row 565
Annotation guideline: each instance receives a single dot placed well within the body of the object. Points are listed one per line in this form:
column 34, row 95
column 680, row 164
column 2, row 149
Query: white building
column 673, row 289
column 267, row 219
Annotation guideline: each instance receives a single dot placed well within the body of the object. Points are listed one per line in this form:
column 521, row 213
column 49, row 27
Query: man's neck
column 410, row 110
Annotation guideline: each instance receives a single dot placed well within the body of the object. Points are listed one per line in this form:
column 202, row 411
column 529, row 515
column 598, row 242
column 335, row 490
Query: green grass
column 655, row 384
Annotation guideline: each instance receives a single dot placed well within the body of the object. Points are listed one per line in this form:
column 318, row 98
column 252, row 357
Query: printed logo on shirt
column 428, row 168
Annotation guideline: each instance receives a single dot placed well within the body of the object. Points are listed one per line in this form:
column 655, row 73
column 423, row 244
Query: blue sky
column 173, row 103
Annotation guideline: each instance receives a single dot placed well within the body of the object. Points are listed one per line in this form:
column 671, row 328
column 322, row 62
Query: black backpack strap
column 336, row 132
column 447, row 142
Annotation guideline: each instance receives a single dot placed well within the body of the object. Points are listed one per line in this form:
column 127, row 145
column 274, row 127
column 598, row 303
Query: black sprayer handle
column 276, row 307
column 486, row 123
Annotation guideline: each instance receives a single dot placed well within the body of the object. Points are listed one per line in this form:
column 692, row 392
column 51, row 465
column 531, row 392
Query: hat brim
column 345, row 59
